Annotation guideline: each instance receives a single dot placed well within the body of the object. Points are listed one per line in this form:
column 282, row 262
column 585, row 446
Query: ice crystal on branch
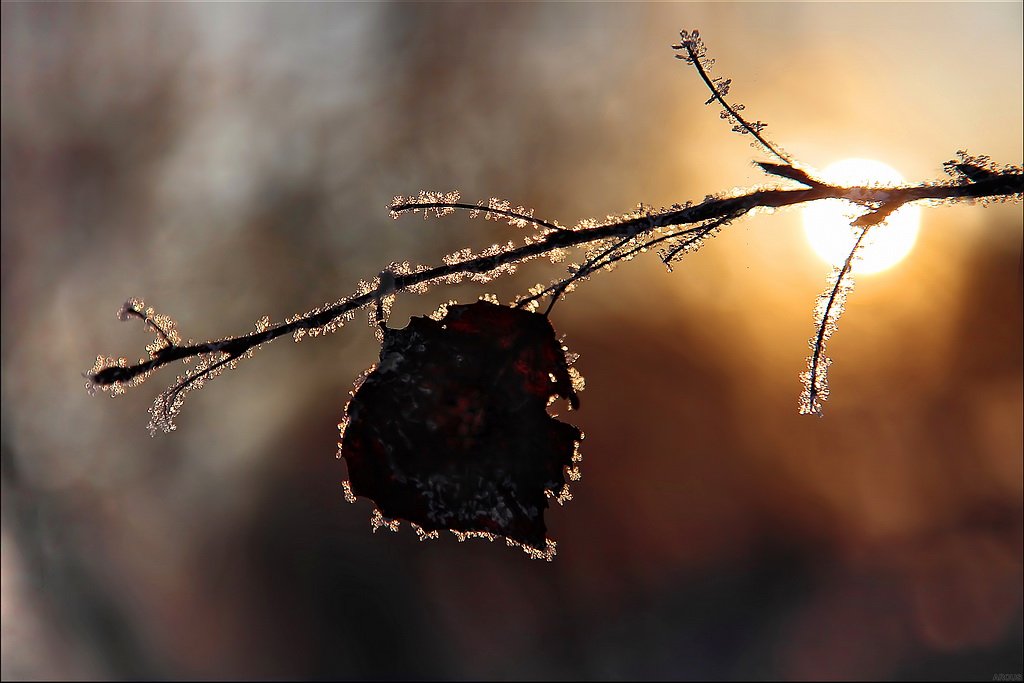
column 441, row 204
column 721, row 87
column 430, row 203
column 693, row 49
column 167, row 406
column 967, row 169
column 112, row 374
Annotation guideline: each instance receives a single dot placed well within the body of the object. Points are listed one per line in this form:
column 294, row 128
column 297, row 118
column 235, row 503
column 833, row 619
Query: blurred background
column 229, row 161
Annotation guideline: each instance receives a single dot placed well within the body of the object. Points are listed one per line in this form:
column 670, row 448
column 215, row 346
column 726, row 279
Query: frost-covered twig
column 826, row 319
column 695, row 54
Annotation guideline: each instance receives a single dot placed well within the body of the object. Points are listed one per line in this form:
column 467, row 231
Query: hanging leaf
column 451, row 429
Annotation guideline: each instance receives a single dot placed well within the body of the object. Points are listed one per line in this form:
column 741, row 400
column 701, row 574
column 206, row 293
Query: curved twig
column 694, row 47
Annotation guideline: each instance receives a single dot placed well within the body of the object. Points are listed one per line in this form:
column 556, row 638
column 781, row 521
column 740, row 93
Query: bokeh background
column 229, row 161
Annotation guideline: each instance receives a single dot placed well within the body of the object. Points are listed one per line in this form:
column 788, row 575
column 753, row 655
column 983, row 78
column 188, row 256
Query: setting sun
column 827, row 222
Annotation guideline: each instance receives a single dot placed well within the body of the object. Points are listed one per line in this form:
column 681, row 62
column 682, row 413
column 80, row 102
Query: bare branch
column 680, row 229
column 999, row 185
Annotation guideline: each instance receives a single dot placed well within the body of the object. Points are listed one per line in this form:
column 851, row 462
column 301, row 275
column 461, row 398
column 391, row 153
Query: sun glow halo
column 827, row 222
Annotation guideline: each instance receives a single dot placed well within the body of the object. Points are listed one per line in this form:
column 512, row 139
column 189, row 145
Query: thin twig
column 558, row 288
column 442, row 206
column 825, row 327
column 691, row 43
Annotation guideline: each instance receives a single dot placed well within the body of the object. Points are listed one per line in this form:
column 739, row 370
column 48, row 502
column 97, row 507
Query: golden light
column 827, row 222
